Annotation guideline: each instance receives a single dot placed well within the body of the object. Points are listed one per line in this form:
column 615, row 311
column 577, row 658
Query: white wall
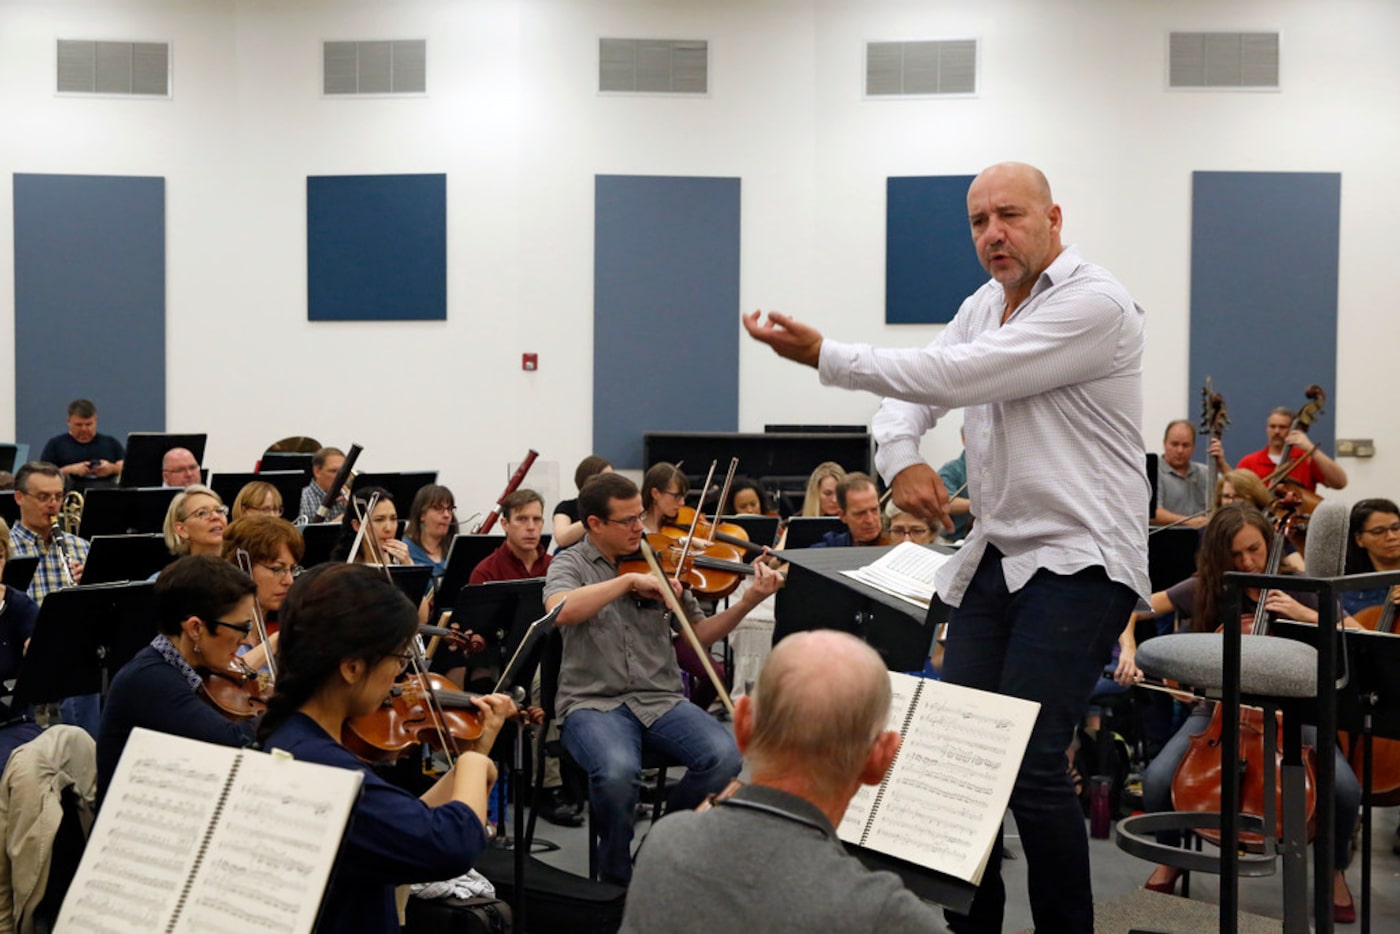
column 1075, row 86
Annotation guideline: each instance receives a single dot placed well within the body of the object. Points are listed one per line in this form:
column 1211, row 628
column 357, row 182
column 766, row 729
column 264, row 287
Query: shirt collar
column 167, row 651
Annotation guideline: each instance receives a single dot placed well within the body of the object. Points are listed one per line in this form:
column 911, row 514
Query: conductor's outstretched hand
column 786, row 335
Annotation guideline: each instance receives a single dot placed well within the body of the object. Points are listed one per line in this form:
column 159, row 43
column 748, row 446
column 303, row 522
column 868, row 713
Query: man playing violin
column 859, row 501
column 1289, row 443
column 619, row 686
column 1046, row 361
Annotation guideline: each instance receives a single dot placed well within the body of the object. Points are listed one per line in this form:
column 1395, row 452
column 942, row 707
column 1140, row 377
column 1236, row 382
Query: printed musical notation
column 198, row 837
column 942, row 801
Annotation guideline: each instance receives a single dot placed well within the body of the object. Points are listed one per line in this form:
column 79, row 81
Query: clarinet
column 62, row 548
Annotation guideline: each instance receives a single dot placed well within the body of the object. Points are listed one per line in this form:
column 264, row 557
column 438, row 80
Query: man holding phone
column 86, row 458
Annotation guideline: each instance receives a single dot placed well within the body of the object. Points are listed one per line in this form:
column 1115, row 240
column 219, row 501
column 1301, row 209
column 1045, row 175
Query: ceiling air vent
column 139, row 69
column 925, row 68
column 654, row 66
column 377, row 67
column 1223, row 60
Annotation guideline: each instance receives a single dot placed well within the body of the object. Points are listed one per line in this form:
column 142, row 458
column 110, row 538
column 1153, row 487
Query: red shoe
column 1169, row 888
column 1344, row 914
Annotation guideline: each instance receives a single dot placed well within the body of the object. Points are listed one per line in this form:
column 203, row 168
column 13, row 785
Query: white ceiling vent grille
column 383, row 66
column 654, row 66
column 1223, row 60
column 925, row 68
column 140, row 69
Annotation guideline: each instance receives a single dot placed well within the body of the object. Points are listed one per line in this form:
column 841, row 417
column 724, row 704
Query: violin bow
column 245, row 564
column 694, row 523
column 675, row 606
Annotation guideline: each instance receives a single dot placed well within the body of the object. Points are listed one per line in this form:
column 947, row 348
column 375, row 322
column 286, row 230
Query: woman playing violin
column 1237, row 538
column 204, row 613
column 747, row 497
column 345, row 638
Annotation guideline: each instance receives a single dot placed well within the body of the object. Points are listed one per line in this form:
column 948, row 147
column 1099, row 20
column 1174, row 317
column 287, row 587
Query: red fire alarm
column 530, row 362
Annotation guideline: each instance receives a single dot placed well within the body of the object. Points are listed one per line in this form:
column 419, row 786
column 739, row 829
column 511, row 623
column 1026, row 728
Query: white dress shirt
column 1053, row 398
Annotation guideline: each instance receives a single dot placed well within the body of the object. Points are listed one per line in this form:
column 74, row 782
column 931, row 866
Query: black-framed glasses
column 281, row 570
column 404, row 658
column 628, row 521
column 1393, row 528
column 245, row 627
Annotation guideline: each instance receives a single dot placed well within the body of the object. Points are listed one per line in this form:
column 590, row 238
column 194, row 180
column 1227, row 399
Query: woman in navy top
column 345, row 637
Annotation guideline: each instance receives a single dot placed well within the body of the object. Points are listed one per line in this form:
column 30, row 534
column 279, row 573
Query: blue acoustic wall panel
column 89, row 302
column 1264, row 249
column 930, row 262
column 665, row 310
column 376, row 248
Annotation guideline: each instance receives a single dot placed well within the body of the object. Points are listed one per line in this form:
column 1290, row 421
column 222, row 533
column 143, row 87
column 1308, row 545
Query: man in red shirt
column 1285, row 442
column 520, row 556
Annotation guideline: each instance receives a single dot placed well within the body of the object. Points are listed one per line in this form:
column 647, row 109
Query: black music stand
column 464, row 554
column 19, row 572
column 125, row 511
column 411, row 579
column 320, row 539
column 146, row 449
column 117, row 558
column 289, row 484
column 8, row 454
column 82, row 637
column 761, row 530
column 500, row 612
column 403, row 485
column 806, row 531
column 279, row 461
column 9, row 507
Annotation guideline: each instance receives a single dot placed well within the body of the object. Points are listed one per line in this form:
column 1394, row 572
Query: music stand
column 146, row 449
column 117, row 511
column 279, row 461
column 412, row 580
column 402, row 485
column 805, row 531
column 289, row 484
column 19, row 572
column 465, row 553
column 761, row 530
column 9, row 507
column 82, row 636
column 118, row 558
column 9, row 454
column 320, row 539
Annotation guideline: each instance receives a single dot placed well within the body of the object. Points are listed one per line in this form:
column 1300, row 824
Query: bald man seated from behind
column 767, row 858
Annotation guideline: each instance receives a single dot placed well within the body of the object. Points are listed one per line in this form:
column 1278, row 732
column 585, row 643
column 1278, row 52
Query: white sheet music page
column 905, row 571
column 857, row 815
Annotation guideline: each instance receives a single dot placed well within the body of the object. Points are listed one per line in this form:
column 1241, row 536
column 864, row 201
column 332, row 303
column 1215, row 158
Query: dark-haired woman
column 344, row 640
column 383, row 527
column 1237, row 538
column 204, row 613
column 1372, row 546
column 432, row 525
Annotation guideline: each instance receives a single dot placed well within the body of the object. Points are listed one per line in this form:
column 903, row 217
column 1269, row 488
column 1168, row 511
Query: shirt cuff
column 836, row 362
column 896, row 454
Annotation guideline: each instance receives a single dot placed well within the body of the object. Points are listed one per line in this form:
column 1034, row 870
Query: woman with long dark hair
column 345, row 639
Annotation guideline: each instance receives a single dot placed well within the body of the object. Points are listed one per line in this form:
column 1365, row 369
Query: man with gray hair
column 767, row 857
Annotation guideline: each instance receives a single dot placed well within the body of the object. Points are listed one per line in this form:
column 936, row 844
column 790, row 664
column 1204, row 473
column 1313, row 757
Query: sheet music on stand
column 906, row 571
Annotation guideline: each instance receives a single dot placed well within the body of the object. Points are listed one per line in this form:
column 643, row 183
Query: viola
column 726, row 533
column 238, row 692
column 712, row 572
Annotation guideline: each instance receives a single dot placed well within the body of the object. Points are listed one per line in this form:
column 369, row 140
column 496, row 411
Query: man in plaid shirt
column 39, row 492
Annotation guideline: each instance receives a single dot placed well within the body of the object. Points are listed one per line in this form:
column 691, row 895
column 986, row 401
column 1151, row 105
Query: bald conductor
column 767, row 858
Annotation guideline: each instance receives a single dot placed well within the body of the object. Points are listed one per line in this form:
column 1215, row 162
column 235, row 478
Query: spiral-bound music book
column 944, row 797
column 198, row 837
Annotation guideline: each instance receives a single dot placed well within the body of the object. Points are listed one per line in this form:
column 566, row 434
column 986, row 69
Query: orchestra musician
column 275, row 548
column 820, row 498
column 345, row 638
column 86, row 458
column 858, row 507
column 1242, row 486
column 1182, row 496
column 519, row 557
column 383, row 525
column 619, row 686
column 204, row 614
column 17, row 616
column 1287, row 443
column 39, row 492
column 258, row 498
column 179, row 468
column 767, row 857
column 432, row 525
column 195, row 522
column 1237, row 538
column 747, row 497
column 1046, row 361
column 568, row 527
column 325, row 464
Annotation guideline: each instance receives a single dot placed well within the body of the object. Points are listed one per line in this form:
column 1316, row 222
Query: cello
column 1197, row 783
column 1385, row 753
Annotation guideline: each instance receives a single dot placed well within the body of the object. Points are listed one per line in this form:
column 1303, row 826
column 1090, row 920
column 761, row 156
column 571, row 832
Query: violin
column 1196, row 785
column 407, row 718
column 238, row 692
column 712, row 572
column 726, row 533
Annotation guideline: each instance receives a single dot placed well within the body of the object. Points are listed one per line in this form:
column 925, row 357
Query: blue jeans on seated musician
column 1047, row 643
column 609, row 744
column 1157, row 786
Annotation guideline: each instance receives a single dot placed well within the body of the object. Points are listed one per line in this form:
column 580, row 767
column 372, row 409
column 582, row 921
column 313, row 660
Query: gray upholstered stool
column 1271, row 670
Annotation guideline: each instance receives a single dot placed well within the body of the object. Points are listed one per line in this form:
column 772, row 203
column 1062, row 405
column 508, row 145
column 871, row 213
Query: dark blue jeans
column 608, row 745
column 1047, row 643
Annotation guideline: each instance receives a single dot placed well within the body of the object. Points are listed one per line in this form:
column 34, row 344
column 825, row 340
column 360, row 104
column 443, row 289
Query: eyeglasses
column 628, row 521
column 281, row 570
column 181, row 471
column 675, row 493
column 442, row 507
column 1393, row 529
column 403, row 657
column 244, row 627
column 907, row 530
column 208, row 512
column 45, row 497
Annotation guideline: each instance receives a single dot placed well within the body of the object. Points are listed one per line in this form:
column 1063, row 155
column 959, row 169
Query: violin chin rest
column 1269, row 667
